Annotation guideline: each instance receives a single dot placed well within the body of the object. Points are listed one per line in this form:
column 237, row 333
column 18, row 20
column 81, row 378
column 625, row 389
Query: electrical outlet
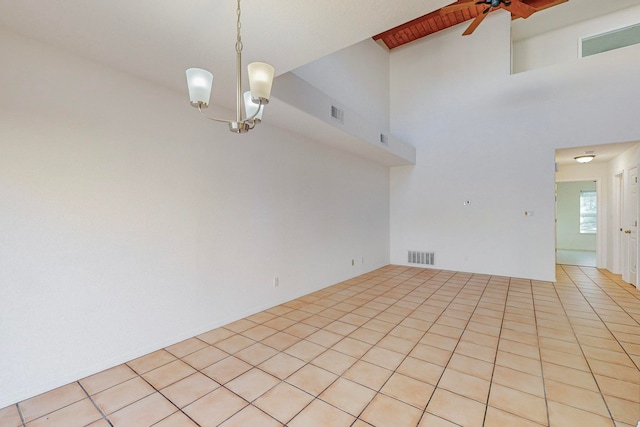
column 276, row 282
column 353, row 262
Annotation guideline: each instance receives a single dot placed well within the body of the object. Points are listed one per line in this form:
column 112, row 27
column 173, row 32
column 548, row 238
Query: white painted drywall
column 128, row 222
column 563, row 45
column 356, row 133
column 568, row 216
column 489, row 137
column 357, row 77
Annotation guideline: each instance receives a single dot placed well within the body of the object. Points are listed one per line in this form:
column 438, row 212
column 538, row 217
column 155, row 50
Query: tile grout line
column 357, row 418
column 456, row 346
column 140, row 375
column 51, row 412
column 281, row 381
column 487, row 286
column 580, row 345
column 601, row 320
column 628, row 288
column 314, row 398
column 422, row 337
column 161, row 394
column 416, row 344
column 223, row 385
column 605, row 323
column 495, row 359
column 535, row 317
column 284, row 380
column 104, row 416
column 607, row 291
column 20, row 414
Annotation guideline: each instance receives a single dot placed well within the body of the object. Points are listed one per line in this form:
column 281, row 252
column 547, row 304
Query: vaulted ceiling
column 156, row 40
column 437, row 21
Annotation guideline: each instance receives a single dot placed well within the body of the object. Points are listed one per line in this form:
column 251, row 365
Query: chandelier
column 199, row 82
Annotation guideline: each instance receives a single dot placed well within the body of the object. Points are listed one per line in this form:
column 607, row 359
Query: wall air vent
column 337, row 113
column 611, row 40
column 422, row 258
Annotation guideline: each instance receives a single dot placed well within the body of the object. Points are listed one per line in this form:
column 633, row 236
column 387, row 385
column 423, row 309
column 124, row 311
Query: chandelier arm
column 260, row 107
column 213, row 118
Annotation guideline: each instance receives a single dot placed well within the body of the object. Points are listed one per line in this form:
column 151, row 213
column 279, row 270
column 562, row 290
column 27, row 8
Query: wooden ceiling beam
column 434, row 22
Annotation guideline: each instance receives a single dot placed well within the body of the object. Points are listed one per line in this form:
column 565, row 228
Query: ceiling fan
column 516, row 7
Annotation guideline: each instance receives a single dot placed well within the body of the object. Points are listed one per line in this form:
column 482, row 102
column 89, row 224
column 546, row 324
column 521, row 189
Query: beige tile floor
column 396, row 347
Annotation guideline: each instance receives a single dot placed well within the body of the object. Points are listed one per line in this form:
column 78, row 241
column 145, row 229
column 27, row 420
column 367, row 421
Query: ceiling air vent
column 611, row 40
column 337, row 113
column 423, row 258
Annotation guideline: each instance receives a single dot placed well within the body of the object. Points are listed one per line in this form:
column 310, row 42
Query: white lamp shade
column 199, row 82
column 251, row 107
column 260, row 80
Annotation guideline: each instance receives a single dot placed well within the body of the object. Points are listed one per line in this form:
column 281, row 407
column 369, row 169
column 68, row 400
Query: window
column 588, row 212
column 612, row 40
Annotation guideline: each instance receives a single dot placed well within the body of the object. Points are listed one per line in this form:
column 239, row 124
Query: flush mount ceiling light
column 586, row 158
column 199, row 82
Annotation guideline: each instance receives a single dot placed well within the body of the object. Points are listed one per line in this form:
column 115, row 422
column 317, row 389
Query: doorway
column 577, row 223
column 615, row 171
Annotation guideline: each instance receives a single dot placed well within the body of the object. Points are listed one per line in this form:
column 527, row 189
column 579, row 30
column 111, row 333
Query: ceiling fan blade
column 521, row 10
column 476, row 22
column 460, row 5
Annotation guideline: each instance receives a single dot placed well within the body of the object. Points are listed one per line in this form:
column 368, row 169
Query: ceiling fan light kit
column 260, row 74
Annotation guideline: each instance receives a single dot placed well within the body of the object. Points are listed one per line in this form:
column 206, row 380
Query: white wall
column 357, row 77
column 127, row 222
column 302, row 105
column 489, row 137
column 563, row 45
column 568, row 217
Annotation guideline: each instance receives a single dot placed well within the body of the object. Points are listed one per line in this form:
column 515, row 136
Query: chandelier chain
column 238, row 27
